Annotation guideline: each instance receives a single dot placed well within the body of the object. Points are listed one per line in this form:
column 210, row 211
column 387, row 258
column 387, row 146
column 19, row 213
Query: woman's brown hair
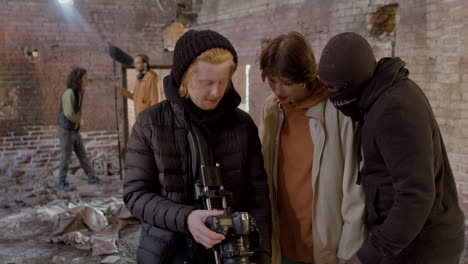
column 289, row 56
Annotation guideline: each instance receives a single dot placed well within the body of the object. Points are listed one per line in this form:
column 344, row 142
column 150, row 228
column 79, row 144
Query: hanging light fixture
column 66, row 2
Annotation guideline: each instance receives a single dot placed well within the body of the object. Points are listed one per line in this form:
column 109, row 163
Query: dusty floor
column 30, row 205
column 29, row 208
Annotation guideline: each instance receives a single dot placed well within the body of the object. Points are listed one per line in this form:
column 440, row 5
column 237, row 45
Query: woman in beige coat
column 310, row 158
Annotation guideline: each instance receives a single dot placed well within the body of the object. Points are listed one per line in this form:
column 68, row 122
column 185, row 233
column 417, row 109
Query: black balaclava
column 347, row 61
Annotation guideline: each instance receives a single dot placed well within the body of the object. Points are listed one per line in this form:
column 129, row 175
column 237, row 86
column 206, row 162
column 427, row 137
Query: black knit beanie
column 191, row 45
column 347, row 57
column 347, row 62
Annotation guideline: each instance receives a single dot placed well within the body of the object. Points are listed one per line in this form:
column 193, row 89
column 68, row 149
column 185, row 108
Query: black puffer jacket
column 411, row 198
column 157, row 186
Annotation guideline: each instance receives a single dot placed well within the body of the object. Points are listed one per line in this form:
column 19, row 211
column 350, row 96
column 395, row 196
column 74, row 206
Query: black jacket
column 157, row 186
column 411, row 197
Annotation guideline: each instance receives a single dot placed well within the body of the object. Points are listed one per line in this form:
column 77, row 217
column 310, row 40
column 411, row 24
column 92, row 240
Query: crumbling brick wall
column 67, row 36
column 37, row 147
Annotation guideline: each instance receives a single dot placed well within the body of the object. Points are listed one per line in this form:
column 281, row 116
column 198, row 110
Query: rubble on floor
column 93, row 227
column 39, row 224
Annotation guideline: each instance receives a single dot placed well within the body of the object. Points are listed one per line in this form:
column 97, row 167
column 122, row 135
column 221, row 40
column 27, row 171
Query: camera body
column 241, row 235
column 239, row 228
column 236, row 224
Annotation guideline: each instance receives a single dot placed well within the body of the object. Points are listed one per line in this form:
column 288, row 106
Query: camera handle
column 207, row 175
column 205, row 172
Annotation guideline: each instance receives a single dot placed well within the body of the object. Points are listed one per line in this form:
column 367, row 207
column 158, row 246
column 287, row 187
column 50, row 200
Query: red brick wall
column 38, row 147
column 67, row 37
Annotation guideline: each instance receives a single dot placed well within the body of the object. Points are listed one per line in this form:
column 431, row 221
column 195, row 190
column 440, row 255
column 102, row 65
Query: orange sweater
column 295, row 181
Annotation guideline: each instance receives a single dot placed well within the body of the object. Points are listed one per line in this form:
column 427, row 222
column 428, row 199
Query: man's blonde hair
column 213, row 56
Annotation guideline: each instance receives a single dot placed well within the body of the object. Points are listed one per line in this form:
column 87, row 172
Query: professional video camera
column 239, row 228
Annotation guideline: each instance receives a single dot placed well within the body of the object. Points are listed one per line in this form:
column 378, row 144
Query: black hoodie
column 411, row 197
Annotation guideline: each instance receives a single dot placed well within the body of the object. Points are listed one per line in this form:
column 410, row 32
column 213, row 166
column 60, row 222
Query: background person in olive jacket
column 69, row 119
column 412, row 204
column 158, row 188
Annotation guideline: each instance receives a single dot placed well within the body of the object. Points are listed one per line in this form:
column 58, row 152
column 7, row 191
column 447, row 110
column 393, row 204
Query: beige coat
column 338, row 225
column 145, row 93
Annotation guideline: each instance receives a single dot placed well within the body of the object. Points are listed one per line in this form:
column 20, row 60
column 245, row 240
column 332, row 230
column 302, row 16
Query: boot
column 94, row 180
column 64, row 186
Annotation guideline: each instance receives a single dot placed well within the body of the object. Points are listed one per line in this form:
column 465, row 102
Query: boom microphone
column 120, row 56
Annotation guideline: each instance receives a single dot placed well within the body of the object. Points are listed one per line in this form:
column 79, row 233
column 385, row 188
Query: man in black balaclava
column 413, row 214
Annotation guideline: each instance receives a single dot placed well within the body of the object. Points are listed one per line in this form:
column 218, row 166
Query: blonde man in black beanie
column 412, row 204
column 159, row 183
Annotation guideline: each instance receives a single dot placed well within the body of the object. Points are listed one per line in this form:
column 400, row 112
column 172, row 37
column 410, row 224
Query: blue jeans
column 289, row 261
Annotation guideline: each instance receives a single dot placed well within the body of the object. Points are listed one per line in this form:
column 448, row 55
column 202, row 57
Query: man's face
column 287, row 91
column 84, row 81
column 208, row 84
column 139, row 64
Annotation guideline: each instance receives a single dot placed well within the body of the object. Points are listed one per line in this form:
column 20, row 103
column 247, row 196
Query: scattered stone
column 18, row 181
column 37, row 195
column 4, row 205
column 43, row 192
column 76, row 260
column 104, row 246
column 32, row 199
column 110, row 259
column 58, row 259
column 17, row 173
column 100, row 164
column 51, row 184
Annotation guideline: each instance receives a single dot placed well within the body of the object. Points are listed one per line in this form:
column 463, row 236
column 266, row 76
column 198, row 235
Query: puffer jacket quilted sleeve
column 141, row 181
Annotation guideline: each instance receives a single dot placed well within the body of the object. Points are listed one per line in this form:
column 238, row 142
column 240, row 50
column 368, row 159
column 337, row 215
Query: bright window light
column 66, row 2
column 247, row 87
